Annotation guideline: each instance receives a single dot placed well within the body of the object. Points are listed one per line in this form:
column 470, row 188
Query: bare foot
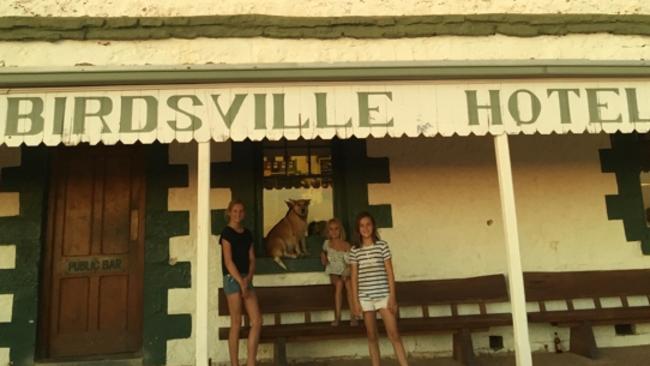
column 335, row 323
column 354, row 321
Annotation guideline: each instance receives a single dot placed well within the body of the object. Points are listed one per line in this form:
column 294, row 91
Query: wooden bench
column 595, row 285
column 420, row 294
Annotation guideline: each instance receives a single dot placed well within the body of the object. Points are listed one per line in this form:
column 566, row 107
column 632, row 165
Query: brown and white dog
column 287, row 237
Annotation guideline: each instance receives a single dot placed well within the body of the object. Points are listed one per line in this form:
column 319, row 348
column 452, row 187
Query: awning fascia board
column 157, row 75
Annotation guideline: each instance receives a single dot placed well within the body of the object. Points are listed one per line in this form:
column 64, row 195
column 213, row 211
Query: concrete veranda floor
column 627, row 356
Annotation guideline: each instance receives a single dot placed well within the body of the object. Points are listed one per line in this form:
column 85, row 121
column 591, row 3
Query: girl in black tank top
column 238, row 268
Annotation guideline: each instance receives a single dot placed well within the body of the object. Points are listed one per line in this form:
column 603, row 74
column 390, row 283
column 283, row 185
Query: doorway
column 92, row 293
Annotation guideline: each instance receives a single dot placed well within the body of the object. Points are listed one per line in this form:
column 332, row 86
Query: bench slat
column 324, row 330
column 612, row 315
column 287, row 299
column 491, row 288
column 586, row 284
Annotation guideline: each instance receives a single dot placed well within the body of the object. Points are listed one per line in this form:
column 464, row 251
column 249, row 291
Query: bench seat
column 543, row 287
column 303, row 300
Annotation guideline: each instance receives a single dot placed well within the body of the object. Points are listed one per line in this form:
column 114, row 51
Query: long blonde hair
column 338, row 222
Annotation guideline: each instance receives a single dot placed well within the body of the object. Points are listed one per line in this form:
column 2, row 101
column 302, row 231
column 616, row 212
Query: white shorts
column 374, row 305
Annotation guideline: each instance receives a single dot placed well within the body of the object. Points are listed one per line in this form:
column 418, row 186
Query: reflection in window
column 293, row 171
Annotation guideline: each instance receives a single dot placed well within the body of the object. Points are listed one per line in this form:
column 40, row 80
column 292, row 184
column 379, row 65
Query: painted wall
column 313, row 7
column 9, row 206
column 560, row 193
column 456, row 220
column 228, row 51
column 202, row 51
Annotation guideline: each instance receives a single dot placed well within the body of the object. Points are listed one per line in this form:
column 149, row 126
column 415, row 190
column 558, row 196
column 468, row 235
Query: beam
column 202, row 245
column 515, row 274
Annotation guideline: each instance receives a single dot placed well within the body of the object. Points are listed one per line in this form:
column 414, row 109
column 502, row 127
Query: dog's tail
column 280, row 263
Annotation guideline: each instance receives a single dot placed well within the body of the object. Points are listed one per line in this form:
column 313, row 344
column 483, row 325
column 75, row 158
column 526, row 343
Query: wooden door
column 94, row 259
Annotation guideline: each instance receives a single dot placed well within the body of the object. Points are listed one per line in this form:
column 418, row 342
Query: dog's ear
column 290, row 203
column 307, row 201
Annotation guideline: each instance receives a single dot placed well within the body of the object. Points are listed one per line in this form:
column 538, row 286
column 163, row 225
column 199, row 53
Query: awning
column 311, row 110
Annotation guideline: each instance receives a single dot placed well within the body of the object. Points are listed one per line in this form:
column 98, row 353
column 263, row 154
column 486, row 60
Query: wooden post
column 515, row 274
column 202, row 244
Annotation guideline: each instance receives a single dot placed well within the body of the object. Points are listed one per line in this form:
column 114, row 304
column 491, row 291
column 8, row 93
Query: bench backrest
column 542, row 286
column 490, row 288
column 287, row 299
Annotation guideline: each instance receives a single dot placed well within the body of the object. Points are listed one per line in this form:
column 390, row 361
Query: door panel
column 73, row 315
column 94, row 258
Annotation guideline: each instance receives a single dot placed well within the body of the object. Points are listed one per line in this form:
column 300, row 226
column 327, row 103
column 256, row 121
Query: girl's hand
column 244, row 287
column 357, row 311
column 392, row 304
column 323, row 259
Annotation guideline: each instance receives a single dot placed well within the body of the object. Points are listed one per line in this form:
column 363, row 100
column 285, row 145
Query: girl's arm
column 227, row 260
column 347, row 246
column 323, row 253
column 251, row 263
column 323, row 258
column 354, row 281
column 392, row 298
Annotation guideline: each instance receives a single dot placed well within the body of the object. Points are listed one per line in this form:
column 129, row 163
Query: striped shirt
column 373, row 279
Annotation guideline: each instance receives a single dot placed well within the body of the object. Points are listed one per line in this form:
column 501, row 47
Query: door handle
column 135, row 224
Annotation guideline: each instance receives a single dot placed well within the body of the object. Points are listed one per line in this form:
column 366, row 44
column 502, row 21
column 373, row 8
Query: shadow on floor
column 627, row 356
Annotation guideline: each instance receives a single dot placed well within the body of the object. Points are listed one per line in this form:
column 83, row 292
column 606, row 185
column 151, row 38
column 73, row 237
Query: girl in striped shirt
column 373, row 287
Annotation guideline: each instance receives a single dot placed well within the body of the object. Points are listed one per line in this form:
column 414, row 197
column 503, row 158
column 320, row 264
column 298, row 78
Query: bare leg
column 370, row 319
column 393, row 335
column 338, row 298
column 253, row 310
column 234, row 306
column 348, row 291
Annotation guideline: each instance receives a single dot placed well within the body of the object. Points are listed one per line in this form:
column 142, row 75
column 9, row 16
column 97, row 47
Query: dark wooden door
column 95, row 254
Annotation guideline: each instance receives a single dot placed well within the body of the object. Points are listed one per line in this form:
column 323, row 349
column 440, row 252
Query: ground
column 628, row 356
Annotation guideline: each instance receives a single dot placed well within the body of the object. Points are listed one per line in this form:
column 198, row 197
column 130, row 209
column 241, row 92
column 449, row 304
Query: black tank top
column 240, row 244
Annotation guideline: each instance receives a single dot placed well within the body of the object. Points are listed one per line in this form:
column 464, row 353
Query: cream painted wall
column 313, row 7
column 229, row 51
column 444, row 197
column 561, row 201
column 443, row 192
column 175, row 52
column 560, row 196
column 9, row 206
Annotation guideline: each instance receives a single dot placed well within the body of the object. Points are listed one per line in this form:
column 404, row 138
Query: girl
column 335, row 249
column 238, row 266
column 373, row 286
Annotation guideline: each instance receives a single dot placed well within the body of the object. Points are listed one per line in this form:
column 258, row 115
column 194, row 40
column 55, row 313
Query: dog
column 287, row 237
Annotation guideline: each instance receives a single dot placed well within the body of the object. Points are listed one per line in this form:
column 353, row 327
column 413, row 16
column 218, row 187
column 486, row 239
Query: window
column 297, row 173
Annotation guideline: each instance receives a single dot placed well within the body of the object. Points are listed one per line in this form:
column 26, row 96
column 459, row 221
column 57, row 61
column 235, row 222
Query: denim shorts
column 231, row 286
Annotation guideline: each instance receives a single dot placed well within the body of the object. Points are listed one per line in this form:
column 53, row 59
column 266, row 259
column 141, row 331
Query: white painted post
column 515, row 274
column 202, row 244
